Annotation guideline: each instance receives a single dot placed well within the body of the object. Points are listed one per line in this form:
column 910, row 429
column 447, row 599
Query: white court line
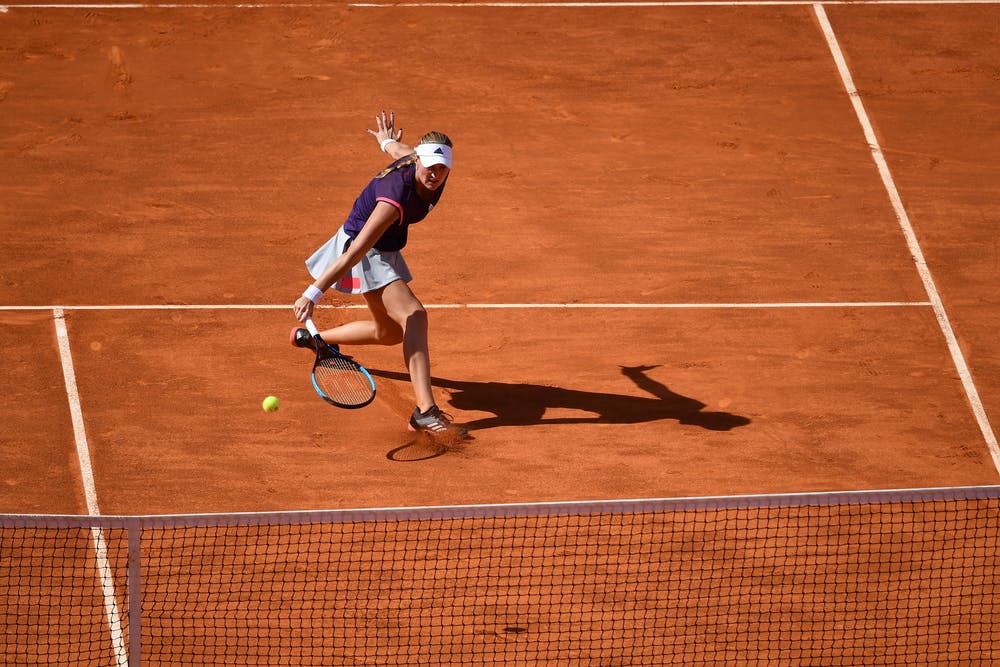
column 500, row 306
column 76, row 413
column 682, row 306
column 90, row 490
column 678, row 3
column 472, row 5
column 911, row 239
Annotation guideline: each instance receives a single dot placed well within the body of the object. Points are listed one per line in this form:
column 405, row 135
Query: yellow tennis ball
column 270, row 404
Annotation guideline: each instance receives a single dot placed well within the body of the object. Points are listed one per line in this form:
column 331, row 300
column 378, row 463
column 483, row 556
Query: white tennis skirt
column 375, row 270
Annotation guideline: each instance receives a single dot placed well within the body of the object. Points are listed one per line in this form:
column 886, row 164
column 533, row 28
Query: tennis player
column 364, row 258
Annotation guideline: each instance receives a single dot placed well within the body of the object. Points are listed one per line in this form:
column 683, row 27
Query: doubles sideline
column 911, row 238
column 104, row 570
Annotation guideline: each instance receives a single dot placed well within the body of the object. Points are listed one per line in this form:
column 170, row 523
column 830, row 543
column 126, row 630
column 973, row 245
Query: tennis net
column 877, row 578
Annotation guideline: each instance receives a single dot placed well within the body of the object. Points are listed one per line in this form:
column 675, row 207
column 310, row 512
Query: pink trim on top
column 394, row 203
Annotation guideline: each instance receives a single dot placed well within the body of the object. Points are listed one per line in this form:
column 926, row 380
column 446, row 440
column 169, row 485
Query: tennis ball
column 270, row 404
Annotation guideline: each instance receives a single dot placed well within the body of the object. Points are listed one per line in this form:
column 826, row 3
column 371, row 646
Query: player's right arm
column 380, row 219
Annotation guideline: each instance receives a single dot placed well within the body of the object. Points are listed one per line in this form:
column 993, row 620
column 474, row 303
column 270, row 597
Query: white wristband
column 385, row 142
column 313, row 293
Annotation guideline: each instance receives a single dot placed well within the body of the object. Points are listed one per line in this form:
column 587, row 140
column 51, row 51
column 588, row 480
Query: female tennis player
column 364, row 258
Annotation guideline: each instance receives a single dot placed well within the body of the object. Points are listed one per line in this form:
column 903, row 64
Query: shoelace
column 441, row 420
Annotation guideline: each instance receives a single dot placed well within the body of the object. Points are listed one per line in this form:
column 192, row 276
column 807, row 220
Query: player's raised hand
column 386, row 128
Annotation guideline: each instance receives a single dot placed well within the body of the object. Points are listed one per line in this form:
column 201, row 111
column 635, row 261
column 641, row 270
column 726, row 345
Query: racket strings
column 343, row 381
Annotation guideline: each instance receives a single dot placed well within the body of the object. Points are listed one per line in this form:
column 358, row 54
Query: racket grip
column 311, row 326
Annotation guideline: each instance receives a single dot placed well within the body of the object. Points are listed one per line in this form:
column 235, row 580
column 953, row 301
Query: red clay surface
column 666, row 155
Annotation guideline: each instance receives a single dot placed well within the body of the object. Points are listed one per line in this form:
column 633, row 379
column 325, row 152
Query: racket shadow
column 418, row 449
column 422, row 447
column 419, row 446
column 522, row 404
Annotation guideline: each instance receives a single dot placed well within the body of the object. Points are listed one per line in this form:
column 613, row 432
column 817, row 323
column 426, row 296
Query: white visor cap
column 432, row 154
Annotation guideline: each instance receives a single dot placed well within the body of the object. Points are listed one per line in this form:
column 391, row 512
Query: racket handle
column 311, row 327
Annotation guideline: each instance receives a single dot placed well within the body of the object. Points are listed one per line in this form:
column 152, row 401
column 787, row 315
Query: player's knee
column 389, row 335
column 416, row 320
column 410, row 319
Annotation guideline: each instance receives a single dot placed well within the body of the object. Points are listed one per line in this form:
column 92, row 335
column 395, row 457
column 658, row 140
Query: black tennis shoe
column 302, row 338
column 436, row 422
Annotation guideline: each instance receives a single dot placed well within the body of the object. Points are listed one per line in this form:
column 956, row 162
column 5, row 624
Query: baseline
column 529, row 5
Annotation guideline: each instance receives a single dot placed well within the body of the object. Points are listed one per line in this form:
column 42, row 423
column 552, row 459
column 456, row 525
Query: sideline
column 104, row 570
column 911, row 239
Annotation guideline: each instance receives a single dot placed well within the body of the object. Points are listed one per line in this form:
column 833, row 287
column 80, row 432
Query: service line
column 498, row 306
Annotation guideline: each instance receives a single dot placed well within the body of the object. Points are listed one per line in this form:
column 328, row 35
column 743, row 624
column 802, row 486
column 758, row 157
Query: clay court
column 685, row 250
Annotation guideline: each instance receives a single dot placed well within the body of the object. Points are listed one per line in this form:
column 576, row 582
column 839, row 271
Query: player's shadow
column 517, row 404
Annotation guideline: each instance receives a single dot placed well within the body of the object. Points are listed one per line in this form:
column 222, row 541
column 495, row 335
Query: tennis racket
column 339, row 380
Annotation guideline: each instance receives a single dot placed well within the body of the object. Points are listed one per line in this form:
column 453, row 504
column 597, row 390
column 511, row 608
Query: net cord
column 508, row 510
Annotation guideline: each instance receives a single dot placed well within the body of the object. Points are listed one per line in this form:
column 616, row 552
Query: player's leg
column 399, row 303
column 406, row 310
column 380, row 330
